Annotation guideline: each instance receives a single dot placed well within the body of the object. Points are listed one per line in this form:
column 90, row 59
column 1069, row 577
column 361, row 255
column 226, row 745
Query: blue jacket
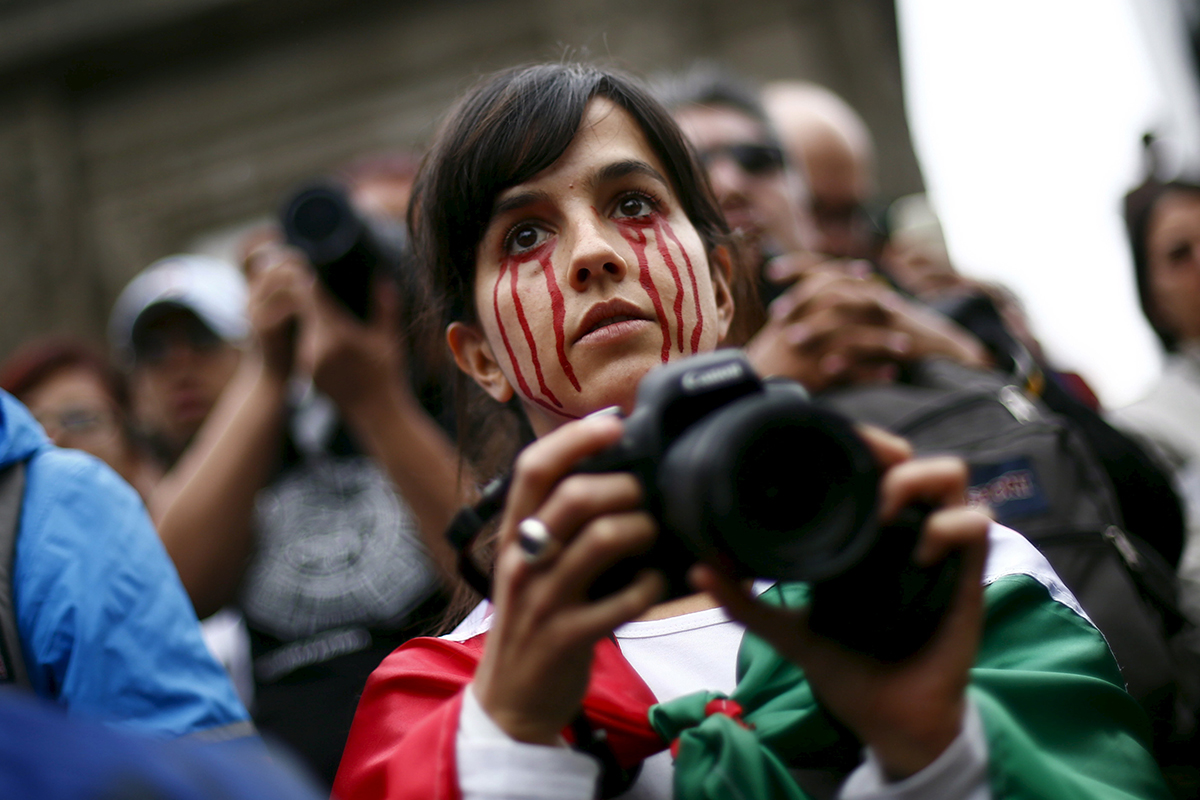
column 106, row 627
column 45, row 756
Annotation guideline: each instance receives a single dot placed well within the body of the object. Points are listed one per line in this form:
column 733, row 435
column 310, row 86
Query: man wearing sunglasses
column 764, row 200
column 822, row 321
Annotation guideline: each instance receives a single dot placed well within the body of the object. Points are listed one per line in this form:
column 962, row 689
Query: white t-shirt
column 698, row 651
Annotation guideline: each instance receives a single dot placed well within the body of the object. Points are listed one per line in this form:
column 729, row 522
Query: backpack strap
column 12, row 490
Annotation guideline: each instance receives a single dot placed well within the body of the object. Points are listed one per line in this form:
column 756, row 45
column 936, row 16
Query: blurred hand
column 839, row 324
column 910, row 711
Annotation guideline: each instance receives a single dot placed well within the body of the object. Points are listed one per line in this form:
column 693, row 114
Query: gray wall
column 130, row 129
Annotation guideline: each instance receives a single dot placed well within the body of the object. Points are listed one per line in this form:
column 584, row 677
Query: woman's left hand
column 907, row 712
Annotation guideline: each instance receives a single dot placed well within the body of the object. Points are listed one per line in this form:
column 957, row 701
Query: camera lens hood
column 773, row 485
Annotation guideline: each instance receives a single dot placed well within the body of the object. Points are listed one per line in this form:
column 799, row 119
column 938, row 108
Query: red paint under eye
column 512, row 357
column 637, row 240
column 696, row 331
column 507, row 264
column 537, row 364
column 559, row 309
column 666, row 255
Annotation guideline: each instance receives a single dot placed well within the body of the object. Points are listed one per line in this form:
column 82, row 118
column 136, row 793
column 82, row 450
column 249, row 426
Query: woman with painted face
column 575, row 246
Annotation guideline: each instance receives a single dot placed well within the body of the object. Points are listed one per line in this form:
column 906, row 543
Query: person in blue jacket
column 37, row 740
column 105, row 628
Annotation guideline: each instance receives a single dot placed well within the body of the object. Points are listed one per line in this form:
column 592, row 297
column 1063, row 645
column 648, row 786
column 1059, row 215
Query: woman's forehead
column 607, row 134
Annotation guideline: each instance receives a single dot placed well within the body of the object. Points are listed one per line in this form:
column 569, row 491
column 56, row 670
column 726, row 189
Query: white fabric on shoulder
column 1010, row 553
column 959, row 773
column 477, row 622
column 493, row 766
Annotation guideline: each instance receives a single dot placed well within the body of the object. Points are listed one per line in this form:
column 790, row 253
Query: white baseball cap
column 212, row 289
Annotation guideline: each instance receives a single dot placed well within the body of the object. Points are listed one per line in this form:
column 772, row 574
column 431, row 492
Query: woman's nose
column 596, row 252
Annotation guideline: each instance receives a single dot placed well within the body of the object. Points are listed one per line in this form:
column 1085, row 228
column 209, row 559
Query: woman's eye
column 524, row 238
column 1179, row 253
column 634, row 205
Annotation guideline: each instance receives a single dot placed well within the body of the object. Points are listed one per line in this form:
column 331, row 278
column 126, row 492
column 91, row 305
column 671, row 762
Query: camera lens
column 317, row 216
column 774, row 484
column 790, row 475
column 320, row 221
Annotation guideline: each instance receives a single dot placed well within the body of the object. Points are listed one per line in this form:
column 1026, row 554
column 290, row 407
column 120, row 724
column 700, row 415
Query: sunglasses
column 753, row 159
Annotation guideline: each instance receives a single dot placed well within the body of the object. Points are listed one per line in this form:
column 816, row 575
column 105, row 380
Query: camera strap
column 466, row 526
column 614, row 779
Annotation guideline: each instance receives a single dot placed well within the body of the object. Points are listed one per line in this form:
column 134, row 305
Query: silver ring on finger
column 535, row 540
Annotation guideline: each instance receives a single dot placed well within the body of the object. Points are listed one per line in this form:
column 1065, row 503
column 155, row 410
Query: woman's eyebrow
column 623, row 169
column 519, row 200
column 609, row 172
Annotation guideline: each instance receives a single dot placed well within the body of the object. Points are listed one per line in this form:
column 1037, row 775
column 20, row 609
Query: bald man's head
column 825, row 137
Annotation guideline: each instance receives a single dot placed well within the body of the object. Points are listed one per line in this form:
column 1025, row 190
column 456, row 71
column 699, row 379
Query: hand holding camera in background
column 837, row 324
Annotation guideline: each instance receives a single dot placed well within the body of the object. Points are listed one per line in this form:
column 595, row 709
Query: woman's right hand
column 537, row 661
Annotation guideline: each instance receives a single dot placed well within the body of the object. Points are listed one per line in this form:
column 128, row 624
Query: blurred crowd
column 282, row 449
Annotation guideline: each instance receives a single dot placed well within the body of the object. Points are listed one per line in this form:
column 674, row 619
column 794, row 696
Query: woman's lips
column 611, row 320
column 612, row 330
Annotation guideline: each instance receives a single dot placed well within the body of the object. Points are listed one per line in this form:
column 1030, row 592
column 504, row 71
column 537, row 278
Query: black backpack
column 1039, row 477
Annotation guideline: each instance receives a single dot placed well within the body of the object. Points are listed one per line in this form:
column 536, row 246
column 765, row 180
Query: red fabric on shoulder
column 402, row 742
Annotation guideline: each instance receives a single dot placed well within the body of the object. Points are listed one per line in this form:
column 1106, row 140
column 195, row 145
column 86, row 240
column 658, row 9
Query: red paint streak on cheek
column 666, row 256
column 695, row 290
column 512, row 357
column 537, row 364
column 637, row 239
column 559, row 309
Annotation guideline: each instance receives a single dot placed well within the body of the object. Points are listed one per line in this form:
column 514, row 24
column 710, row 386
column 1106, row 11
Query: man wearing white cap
column 284, row 501
column 176, row 327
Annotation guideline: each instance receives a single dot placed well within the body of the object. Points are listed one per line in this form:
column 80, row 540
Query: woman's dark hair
column 1139, row 208
column 506, row 130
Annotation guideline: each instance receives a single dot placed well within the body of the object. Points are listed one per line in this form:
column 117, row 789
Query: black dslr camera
column 346, row 248
column 754, row 477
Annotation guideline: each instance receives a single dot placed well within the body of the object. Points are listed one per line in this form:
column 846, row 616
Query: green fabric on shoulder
column 1059, row 723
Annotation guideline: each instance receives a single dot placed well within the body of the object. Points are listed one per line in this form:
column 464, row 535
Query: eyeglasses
column 77, row 421
column 753, row 159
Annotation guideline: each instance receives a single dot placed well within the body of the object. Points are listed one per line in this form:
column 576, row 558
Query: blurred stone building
column 131, row 129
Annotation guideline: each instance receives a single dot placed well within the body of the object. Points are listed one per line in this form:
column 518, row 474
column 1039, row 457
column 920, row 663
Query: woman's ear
column 474, row 356
column 722, row 277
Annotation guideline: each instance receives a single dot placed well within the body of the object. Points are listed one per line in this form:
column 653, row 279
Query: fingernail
column 781, row 307
column 832, row 365
column 860, row 268
column 611, row 411
column 776, row 271
column 899, row 343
